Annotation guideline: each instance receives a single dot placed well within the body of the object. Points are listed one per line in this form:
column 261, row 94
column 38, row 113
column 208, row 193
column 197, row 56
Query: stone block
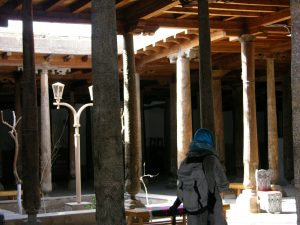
column 270, row 201
column 72, row 206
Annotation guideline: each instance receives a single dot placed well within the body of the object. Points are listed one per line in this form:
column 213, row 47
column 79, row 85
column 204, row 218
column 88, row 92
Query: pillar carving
column 273, row 153
column 250, row 152
column 46, row 160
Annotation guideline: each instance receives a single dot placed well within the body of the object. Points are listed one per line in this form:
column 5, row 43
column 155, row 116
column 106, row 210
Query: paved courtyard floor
column 235, row 216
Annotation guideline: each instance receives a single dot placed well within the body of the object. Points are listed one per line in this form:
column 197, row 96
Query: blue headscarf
column 203, row 140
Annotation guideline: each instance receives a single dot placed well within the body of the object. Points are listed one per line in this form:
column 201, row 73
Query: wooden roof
column 269, row 20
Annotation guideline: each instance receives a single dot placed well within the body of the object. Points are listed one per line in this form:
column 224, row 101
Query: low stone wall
column 81, row 217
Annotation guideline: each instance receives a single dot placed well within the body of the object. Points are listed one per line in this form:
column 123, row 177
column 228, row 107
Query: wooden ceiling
column 268, row 20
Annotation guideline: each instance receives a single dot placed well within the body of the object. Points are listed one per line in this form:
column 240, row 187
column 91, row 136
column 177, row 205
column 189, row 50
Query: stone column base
column 31, row 220
column 133, row 203
column 247, row 201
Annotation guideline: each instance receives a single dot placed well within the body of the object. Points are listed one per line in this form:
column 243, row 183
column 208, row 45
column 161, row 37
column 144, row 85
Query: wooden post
column 72, row 175
column 249, row 111
column 219, row 122
column 205, row 71
column 183, row 103
column 237, row 128
column 287, row 129
column 273, row 153
column 132, row 124
column 108, row 154
column 295, row 84
column 173, row 135
column 46, row 159
column 30, row 154
column 18, row 110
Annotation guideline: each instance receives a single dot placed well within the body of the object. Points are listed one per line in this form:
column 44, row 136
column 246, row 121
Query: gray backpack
column 192, row 189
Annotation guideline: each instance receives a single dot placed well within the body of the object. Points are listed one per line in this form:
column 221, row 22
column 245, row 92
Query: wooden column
column 173, row 136
column 295, row 84
column 108, row 153
column 46, row 159
column 219, row 122
column 237, row 128
column 18, row 111
column 287, row 128
column 30, row 154
column 273, row 153
column 183, row 103
column 249, row 111
column 205, row 71
column 72, row 174
column 132, row 130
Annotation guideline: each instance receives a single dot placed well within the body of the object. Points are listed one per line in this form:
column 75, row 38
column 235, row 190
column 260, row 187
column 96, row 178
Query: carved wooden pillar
column 205, row 71
column 173, row 136
column 219, row 122
column 238, row 127
column 30, row 154
column 132, row 129
column 46, row 160
column 287, row 129
column 273, row 153
column 249, row 110
column 183, row 103
column 72, row 173
column 18, row 110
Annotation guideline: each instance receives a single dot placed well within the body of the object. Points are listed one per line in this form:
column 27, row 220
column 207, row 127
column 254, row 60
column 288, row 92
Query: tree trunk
column 30, row 156
column 295, row 84
column 108, row 154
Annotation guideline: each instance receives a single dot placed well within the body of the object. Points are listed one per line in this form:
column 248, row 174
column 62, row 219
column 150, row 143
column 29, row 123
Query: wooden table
column 237, row 188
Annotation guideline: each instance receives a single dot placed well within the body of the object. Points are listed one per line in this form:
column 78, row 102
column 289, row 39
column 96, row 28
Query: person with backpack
column 201, row 179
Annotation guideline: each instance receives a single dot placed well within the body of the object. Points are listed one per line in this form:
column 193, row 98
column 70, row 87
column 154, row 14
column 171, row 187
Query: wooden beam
column 193, row 24
column 12, row 5
column 147, row 9
column 244, row 8
column 122, row 3
column 16, row 60
column 185, row 44
column 80, row 6
column 3, row 2
column 51, row 5
column 213, row 12
column 277, row 3
column 271, row 18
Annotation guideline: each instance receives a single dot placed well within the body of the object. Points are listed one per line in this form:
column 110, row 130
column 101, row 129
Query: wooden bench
column 237, row 188
column 9, row 194
column 145, row 216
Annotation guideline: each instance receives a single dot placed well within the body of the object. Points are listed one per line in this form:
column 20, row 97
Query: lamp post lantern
column 58, row 89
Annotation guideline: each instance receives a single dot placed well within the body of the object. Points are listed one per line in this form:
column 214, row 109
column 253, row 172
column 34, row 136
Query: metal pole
column 76, row 143
column 77, row 164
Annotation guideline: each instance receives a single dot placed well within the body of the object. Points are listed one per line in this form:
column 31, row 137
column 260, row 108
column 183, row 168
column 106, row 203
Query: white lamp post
column 58, row 89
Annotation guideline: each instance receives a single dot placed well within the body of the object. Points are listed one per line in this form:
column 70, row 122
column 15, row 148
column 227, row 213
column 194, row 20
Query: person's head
column 203, row 140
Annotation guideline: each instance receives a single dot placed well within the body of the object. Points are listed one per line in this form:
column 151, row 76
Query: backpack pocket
column 189, row 194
